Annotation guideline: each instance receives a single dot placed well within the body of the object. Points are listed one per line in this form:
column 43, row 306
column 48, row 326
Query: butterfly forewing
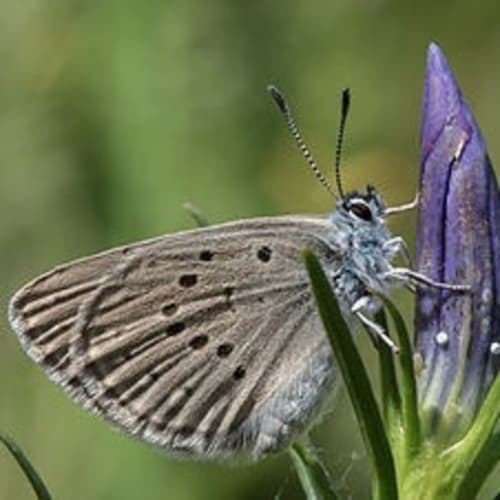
column 188, row 341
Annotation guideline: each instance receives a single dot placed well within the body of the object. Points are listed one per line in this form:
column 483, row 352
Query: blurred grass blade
column 391, row 398
column 411, row 420
column 356, row 380
column 312, row 474
column 197, row 214
column 36, row 481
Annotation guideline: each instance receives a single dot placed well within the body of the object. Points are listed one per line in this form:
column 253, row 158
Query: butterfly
column 207, row 343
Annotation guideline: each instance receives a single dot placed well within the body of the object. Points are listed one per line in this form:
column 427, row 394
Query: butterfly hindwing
column 200, row 342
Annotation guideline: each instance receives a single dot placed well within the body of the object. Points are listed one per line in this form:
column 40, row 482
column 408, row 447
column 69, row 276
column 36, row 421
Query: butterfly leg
column 405, row 275
column 395, row 245
column 378, row 331
column 375, row 330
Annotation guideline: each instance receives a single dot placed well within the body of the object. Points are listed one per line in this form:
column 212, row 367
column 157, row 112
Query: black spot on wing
column 264, row 254
column 188, row 280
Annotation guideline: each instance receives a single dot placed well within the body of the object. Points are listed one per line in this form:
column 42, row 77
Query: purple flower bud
column 458, row 242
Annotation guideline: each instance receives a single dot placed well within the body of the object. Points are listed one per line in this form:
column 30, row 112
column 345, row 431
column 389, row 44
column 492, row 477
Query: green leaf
column 411, row 421
column 481, row 468
column 391, row 398
column 356, row 380
column 36, row 481
column 312, row 474
column 479, row 451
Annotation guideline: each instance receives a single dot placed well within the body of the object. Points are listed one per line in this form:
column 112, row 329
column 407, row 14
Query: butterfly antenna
column 346, row 101
column 280, row 100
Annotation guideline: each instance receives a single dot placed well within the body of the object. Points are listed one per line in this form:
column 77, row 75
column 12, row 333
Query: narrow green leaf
column 391, row 398
column 198, row 216
column 411, row 420
column 312, row 474
column 36, row 481
column 480, row 469
column 356, row 380
column 473, row 454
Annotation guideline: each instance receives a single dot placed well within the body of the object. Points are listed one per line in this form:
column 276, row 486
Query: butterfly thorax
column 360, row 233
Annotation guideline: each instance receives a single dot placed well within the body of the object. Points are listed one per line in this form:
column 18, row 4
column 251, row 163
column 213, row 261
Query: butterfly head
column 358, row 206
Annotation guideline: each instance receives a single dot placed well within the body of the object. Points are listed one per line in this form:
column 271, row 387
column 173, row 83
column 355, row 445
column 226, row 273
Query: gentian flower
column 458, row 242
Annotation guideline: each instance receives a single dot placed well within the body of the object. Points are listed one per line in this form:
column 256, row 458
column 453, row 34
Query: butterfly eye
column 362, row 211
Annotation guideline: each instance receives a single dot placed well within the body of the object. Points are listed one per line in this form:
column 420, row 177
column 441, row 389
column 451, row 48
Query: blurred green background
column 113, row 114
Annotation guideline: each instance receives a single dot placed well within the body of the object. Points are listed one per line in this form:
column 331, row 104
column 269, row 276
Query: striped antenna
column 344, row 111
column 280, row 100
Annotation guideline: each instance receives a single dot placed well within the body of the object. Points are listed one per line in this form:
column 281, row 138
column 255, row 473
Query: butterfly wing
column 205, row 342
